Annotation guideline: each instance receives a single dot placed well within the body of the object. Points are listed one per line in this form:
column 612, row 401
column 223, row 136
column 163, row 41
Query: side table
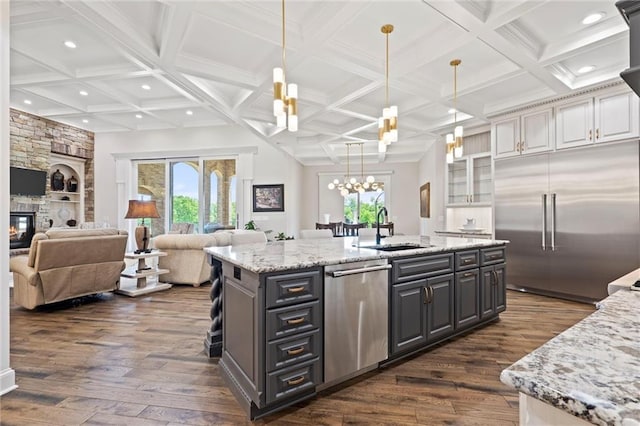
column 141, row 273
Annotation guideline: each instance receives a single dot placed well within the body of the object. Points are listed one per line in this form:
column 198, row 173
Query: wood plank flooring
column 114, row 360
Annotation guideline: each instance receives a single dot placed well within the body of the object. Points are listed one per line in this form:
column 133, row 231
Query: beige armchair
column 186, row 259
column 69, row 263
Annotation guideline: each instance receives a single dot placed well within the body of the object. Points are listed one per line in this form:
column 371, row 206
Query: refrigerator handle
column 553, row 221
column 544, row 221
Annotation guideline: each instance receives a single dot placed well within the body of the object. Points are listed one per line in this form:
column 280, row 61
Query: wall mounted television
column 27, row 182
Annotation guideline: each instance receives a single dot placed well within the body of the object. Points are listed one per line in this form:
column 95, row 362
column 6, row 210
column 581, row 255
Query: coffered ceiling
column 151, row 64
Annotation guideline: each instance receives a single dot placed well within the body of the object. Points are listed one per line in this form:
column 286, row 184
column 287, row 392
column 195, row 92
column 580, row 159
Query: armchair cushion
column 186, row 260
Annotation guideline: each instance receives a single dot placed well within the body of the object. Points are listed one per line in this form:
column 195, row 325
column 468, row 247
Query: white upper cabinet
column 616, row 117
column 523, row 134
column 605, row 118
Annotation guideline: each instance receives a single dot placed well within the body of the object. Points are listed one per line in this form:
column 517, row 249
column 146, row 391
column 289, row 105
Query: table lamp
column 139, row 209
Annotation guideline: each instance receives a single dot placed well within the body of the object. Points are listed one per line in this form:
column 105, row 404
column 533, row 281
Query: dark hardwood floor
column 114, row 360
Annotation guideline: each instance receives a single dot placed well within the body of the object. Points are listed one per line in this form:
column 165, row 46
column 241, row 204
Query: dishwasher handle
column 336, row 274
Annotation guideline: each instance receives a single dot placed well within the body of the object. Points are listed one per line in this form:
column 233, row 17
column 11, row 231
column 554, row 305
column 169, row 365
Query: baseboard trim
column 7, row 381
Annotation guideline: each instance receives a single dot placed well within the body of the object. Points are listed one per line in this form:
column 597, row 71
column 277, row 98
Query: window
column 200, row 192
column 362, row 207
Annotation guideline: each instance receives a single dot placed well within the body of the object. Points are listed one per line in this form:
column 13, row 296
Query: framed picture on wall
column 425, row 198
column 268, row 198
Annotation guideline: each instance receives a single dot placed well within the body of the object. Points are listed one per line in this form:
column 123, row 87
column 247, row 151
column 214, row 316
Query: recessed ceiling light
column 27, row 101
column 146, row 87
column 85, row 120
column 189, row 112
column 586, row 69
column 84, row 93
column 70, row 44
column 593, row 18
column 138, row 115
column 452, row 110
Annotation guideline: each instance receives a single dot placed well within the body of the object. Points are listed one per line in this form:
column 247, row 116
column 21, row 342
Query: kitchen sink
column 393, row 247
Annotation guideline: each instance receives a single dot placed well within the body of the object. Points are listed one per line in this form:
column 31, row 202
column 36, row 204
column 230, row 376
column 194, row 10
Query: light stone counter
column 591, row 370
column 297, row 254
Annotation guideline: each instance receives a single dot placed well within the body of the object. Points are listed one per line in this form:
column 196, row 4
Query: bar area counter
column 590, row 373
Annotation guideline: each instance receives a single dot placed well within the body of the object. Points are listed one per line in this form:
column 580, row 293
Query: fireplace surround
column 22, row 227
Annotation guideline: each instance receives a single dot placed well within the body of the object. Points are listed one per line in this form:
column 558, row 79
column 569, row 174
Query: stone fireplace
column 22, row 227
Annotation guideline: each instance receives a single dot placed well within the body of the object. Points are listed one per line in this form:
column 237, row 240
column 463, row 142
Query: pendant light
column 350, row 183
column 285, row 97
column 454, row 140
column 388, row 123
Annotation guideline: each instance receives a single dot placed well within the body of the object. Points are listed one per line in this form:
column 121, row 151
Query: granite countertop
column 591, row 370
column 296, row 254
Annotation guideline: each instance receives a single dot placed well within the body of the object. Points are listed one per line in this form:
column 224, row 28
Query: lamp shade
column 139, row 209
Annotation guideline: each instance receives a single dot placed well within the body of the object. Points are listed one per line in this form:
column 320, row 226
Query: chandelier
column 454, row 140
column 388, row 123
column 285, row 97
column 350, row 183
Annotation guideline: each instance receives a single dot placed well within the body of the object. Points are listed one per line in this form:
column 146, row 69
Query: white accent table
column 140, row 273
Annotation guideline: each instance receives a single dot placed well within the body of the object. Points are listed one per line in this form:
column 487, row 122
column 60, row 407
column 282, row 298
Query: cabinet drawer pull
column 590, row 135
column 493, row 257
column 295, row 351
column 468, row 274
column 295, row 321
column 295, row 289
column 467, row 261
column 430, row 294
column 426, row 295
column 293, row 382
column 598, row 133
column 495, row 278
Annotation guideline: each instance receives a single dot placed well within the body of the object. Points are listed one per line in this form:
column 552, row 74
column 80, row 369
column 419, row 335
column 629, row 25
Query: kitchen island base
column 276, row 321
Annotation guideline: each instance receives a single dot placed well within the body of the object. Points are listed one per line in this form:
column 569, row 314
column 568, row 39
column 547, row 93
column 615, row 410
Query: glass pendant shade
column 382, row 147
column 281, row 121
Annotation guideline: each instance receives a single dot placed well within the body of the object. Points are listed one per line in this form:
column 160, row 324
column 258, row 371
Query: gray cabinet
column 440, row 307
column 467, row 298
column 422, row 301
column 493, row 290
column 272, row 336
column 408, row 316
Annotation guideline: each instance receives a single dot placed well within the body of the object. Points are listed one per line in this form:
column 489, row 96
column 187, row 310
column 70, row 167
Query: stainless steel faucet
column 382, row 210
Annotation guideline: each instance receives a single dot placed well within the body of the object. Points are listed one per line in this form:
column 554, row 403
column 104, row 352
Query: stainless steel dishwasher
column 356, row 312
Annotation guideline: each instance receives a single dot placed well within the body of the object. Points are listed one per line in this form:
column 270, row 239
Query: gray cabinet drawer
column 492, row 255
column 467, row 259
column 295, row 349
column 420, row 267
column 298, row 287
column 283, row 322
column 283, row 384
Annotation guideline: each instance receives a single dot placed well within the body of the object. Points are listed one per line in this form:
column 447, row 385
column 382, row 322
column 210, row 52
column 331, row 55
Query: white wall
column 404, row 207
column 432, row 169
column 269, row 166
column 7, row 375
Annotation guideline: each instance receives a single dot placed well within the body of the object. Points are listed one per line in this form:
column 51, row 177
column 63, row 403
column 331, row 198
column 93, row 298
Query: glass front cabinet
column 469, row 181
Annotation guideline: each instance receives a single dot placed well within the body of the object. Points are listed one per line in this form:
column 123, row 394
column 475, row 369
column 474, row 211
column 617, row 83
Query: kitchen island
column 590, row 373
column 303, row 315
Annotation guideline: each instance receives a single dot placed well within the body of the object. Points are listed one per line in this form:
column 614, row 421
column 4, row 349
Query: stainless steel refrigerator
column 572, row 217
